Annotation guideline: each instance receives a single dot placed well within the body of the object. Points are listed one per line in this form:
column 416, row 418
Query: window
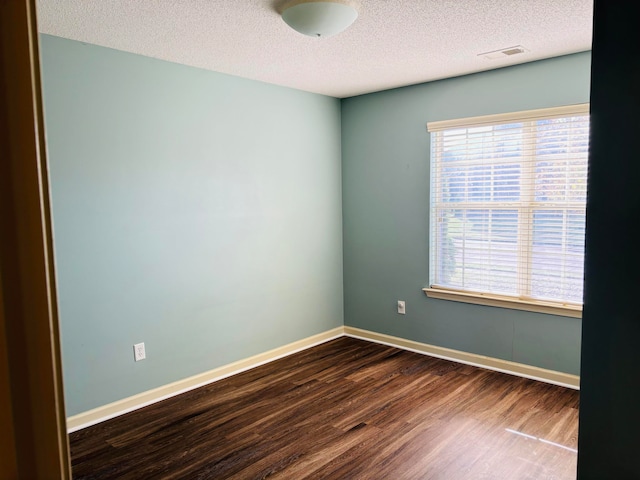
column 508, row 197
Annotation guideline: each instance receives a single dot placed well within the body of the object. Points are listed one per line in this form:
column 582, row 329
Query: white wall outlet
column 401, row 308
column 138, row 352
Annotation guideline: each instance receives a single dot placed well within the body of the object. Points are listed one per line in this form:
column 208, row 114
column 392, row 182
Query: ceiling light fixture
column 319, row 19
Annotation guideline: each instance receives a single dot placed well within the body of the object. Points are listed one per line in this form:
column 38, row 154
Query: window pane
column 482, row 183
column 479, row 250
column 557, row 255
column 561, row 159
column 506, row 185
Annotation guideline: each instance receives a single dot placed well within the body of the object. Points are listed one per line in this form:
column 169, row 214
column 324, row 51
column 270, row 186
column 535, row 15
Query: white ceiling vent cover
column 503, row 52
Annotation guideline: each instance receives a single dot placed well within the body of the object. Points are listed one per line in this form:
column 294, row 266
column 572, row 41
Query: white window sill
column 565, row 310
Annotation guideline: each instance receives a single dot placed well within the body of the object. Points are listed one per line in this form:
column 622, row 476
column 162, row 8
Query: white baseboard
column 490, row 363
column 120, row 407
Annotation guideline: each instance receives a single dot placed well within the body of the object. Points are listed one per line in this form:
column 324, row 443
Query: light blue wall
column 203, row 214
column 196, row 212
column 386, row 213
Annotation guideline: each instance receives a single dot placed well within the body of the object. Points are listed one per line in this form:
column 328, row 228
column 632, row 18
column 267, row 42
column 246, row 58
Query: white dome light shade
column 319, row 19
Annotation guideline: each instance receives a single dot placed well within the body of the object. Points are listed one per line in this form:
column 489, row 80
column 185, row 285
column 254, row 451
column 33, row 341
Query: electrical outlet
column 138, row 352
column 401, row 307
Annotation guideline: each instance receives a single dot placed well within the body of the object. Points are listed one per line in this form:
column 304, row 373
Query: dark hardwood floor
column 347, row 409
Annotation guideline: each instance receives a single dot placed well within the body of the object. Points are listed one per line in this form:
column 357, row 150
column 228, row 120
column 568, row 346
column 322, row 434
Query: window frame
column 517, row 302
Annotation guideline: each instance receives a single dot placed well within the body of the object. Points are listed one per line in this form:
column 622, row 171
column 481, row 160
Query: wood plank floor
column 347, row 409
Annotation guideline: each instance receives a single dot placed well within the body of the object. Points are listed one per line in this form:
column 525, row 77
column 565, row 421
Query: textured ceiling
column 392, row 43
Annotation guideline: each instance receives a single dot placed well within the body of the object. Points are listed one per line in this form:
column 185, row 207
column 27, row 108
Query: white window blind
column 508, row 197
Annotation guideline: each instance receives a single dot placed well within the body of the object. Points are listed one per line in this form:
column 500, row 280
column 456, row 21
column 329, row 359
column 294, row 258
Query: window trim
column 523, row 116
column 503, row 301
column 490, row 299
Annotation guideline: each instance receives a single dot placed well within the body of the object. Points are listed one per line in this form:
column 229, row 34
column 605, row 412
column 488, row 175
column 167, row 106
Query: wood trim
column 489, row 300
column 523, row 116
column 8, row 458
column 490, row 363
column 29, row 308
column 111, row 410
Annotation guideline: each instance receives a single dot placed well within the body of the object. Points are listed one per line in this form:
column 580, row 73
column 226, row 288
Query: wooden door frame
column 34, row 440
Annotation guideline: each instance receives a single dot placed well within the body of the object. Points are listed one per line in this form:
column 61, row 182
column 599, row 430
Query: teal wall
column 208, row 216
column 196, row 212
column 385, row 150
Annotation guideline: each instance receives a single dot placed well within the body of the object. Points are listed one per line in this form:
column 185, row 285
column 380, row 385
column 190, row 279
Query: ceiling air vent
column 503, row 52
